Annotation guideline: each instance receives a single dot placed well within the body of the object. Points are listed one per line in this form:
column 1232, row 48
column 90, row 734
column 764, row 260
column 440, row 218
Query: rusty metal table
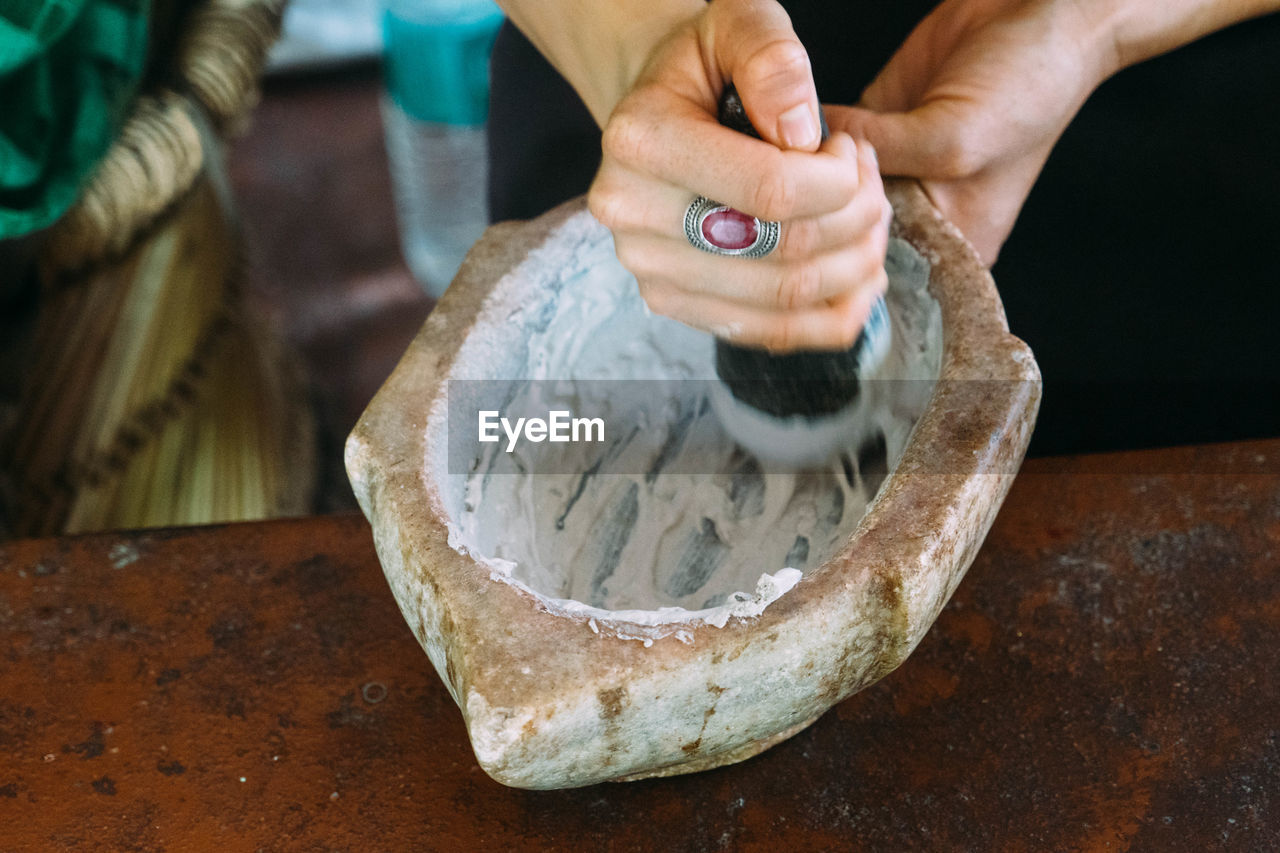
column 1104, row 679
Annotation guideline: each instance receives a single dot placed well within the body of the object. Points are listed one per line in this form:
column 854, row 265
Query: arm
column 976, row 98
column 600, row 48
column 1143, row 29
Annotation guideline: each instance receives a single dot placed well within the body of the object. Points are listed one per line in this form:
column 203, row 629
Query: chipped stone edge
column 549, row 703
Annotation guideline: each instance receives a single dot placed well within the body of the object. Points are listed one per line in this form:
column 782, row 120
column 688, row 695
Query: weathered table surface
column 1105, row 679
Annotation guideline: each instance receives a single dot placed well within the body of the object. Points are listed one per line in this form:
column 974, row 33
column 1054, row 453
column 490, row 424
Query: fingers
column 979, row 190
column 756, row 48
column 679, row 144
column 769, row 284
column 927, row 142
column 812, row 292
column 667, row 127
column 830, row 327
column 663, row 146
column 629, row 203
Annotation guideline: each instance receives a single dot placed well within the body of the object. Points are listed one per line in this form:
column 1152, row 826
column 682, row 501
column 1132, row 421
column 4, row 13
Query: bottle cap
column 436, row 58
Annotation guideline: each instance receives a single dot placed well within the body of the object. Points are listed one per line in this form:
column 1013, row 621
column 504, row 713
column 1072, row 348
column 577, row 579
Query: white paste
column 569, row 313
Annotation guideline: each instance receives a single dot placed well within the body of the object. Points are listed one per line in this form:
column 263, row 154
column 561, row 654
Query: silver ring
column 749, row 237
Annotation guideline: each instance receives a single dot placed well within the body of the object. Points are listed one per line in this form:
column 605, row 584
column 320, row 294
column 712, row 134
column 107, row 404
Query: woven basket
column 152, row 395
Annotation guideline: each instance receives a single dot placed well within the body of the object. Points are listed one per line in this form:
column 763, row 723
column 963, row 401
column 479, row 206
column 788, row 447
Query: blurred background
column 202, row 270
column 313, row 179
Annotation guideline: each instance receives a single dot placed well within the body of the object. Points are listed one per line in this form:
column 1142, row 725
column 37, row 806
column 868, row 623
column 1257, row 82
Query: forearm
column 1142, row 29
column 600, row 47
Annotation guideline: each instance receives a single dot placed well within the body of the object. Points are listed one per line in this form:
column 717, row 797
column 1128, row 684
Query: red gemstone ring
column 722, row 230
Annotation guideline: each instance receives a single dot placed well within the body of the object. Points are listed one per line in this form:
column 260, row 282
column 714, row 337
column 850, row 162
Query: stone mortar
column 551, row 702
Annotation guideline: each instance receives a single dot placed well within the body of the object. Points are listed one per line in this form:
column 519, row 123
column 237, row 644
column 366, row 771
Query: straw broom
column 155, row 397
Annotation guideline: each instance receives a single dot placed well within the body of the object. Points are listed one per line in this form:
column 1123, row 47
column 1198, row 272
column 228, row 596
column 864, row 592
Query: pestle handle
column 810, row 384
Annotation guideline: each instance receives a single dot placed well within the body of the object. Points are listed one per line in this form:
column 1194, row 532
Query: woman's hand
column 971, row 104
column 663, row 146
column 974, row 100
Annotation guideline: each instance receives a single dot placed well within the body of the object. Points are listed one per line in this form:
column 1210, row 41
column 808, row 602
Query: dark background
column 1144, row 269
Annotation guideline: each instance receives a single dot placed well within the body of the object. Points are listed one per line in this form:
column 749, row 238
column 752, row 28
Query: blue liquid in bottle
column 434, row 111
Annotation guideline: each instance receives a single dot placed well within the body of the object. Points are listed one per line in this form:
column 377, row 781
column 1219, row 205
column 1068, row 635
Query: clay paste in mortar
column 547, row 702
column 711, row 535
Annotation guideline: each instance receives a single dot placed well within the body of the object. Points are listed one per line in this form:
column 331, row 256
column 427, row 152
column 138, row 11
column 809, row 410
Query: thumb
column 914, row 144
column 755, row 47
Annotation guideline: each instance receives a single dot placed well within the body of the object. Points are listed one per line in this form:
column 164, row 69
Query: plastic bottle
column 436, row 59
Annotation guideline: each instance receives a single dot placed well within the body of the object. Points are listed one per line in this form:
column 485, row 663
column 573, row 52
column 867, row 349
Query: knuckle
column 872, row 275
column 864, row 215
column 658, row 298
column 880, row 243
column 886, row 215
column 868, row 253
column 779, row 336
column 799, row 285
column 633, row 258
column 799, row 239
column 849, row 185
column 848, row 330
column 779, row 65
column 959, row 156
column 882, row 282
column 607, row 206
column 626, row 136
column 774, row 196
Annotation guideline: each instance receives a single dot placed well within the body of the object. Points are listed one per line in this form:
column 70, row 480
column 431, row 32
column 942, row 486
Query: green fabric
column 68, row 69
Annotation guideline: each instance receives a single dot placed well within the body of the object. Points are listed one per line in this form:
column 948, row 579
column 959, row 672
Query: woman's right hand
column 663, row 146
